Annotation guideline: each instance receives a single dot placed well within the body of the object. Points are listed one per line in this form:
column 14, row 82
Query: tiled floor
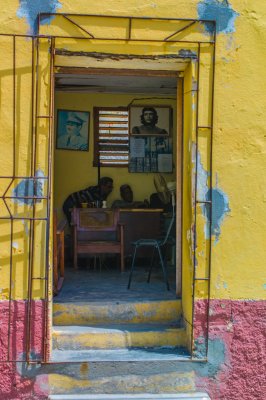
column 109, row 284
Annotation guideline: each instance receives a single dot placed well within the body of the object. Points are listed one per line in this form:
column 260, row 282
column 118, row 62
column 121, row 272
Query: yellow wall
column 74, row 169
column 238, row 257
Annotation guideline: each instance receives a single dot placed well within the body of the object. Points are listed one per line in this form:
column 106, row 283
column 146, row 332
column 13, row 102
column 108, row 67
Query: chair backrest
column 95, row 224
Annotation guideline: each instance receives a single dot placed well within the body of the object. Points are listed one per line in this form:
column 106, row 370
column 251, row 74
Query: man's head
column 126, row 193
column 74, row 124
column 149, row 116
column 106, row 185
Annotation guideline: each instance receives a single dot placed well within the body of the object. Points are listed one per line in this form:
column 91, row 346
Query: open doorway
column 94, row 104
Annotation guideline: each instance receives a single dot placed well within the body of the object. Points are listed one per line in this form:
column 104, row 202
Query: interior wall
column 74, row 169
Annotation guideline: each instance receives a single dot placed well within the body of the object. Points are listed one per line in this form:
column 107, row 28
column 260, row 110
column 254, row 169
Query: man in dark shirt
column 91, row 194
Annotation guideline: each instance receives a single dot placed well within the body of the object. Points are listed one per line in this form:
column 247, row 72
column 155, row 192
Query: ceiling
column 93, row 83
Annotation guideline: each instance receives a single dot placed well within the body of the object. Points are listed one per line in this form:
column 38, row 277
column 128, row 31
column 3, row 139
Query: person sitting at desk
column 99, row 193
column 127, row 199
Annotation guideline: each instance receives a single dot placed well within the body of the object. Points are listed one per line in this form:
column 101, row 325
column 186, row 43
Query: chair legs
column 151, row 265
column 163, row 268
column 132, row 267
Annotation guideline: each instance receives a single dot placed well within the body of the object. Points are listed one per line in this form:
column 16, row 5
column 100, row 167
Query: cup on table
column 84, row 205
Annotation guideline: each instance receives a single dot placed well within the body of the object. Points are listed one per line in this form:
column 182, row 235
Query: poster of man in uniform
column 72, row 130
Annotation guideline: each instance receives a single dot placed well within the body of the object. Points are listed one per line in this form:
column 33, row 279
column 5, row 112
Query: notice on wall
column 137, row 148
column 151, row 154
column 165, row 162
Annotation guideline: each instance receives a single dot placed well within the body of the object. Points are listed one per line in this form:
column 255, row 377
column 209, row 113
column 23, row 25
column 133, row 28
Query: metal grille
column 26, row 186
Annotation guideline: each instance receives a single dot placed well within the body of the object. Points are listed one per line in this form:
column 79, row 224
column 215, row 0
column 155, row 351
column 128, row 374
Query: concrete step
column 127, row 396
column 119, row 378
column 78, row 313
column 118, row 336
column 120, row 355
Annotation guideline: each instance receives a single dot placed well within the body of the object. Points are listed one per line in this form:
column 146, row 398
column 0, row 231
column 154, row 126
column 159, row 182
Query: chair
column 157, row 244
column 97, row 231
column 58, row 253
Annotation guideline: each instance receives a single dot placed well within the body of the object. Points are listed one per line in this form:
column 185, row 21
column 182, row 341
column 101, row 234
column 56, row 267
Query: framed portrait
column 149, row 120
column 72, row 130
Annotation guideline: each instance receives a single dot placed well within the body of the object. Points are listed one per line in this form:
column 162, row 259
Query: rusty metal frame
column 34, row 90
column 35, row 198
column 129, row 18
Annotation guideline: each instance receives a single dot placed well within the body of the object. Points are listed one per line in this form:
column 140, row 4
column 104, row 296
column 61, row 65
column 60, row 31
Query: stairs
column 124, row 350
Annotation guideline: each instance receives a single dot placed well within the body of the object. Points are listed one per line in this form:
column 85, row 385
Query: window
column 111, row 139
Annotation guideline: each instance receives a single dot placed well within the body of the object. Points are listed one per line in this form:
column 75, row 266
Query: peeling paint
column 30, row 9
column 220, row 207
column 15, row 245
column 29, row 188
column 187, row 53
column 220, row 202
column 221, row 12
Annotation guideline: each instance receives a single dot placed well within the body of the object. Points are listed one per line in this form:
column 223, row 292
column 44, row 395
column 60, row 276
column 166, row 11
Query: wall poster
column 151, row 154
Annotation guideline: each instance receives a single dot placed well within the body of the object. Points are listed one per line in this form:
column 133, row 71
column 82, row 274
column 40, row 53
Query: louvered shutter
column 111, row 141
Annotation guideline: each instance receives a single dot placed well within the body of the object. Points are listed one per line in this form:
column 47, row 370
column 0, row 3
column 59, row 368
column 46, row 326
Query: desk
column 140, row 223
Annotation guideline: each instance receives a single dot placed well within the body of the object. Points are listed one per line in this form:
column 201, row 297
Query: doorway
column 84, row 93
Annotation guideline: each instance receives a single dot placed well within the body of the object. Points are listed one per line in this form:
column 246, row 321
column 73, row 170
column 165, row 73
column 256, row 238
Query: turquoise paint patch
column 30, row 9
column 219, row 11
column 220, row 206
column 264, row 286
column 29, row 188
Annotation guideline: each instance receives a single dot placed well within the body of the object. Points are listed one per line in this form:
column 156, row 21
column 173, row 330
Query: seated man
column 99, row 193
column 127, row 199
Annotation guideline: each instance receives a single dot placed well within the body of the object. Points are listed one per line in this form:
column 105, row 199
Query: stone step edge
column 144, row 396
column 120, row 355
column 116, row 328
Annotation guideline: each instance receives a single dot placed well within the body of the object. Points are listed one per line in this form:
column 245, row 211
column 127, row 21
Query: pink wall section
column 236, row 363
column 12, row 383
column 240, row 328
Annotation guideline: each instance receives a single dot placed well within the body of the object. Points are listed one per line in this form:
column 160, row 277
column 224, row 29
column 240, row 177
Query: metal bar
column 43, row 116
column 10, row 290
column 39, row 278
column 211, row 181
column 182, row 183
column 23, row 218
column 10, row 215
column 32, row 100
column 202, row 279
column 129, row 28
column 32, row 224
column 22, row 177
column 48, row 205
column 38, row 22
column 122, row 40
column 25, row 197
column 180, row 30
column 131, row 40
column 14, row 105
column 44, row 14
column 195, row 202
column 80, row 27
column 203, row 201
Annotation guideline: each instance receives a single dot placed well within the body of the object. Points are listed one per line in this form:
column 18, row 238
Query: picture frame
column 72, row 130
column 150, row 120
